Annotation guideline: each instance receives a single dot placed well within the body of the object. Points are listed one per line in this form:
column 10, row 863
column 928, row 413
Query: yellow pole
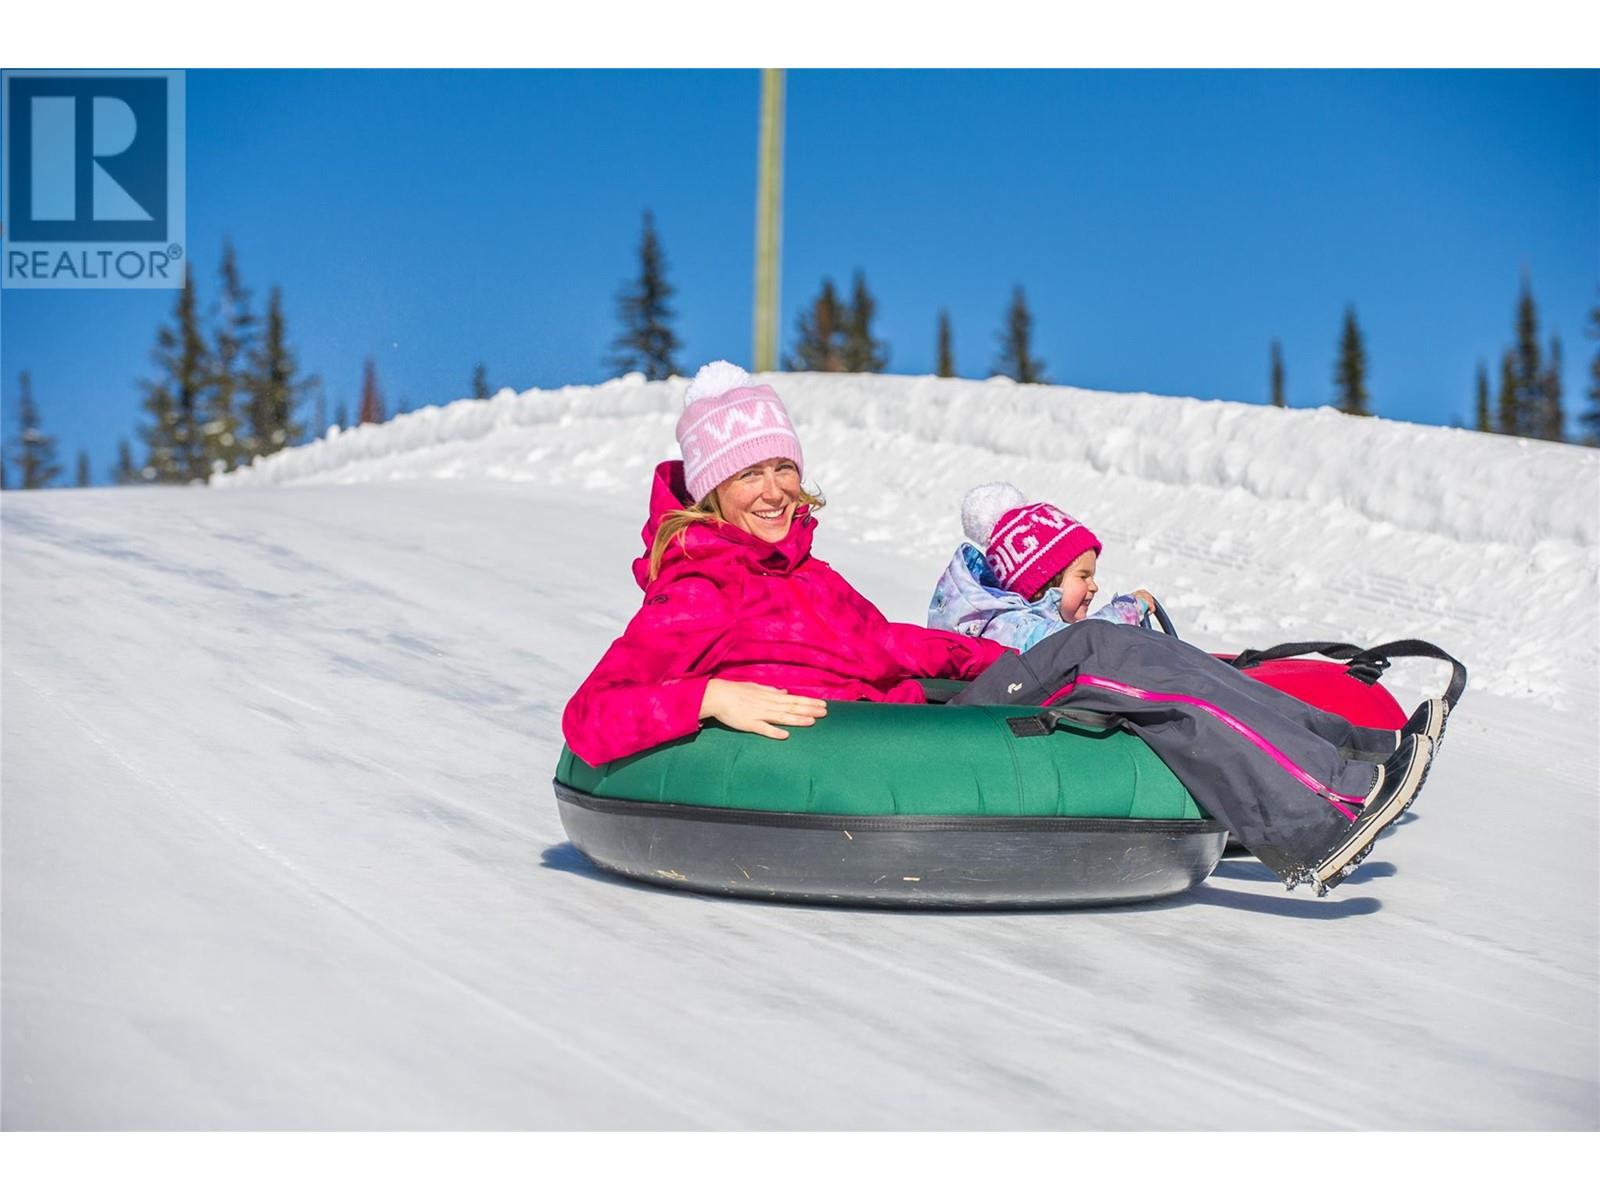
column 769, row 214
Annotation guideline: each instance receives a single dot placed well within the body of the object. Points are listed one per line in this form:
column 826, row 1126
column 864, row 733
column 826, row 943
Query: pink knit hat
column 730, row 422
column 1027, row 545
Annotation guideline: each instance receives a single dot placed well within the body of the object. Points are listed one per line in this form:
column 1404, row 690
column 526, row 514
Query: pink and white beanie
column 731, row 422
column 1026, row 545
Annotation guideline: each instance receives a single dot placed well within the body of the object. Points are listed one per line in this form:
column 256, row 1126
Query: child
column 1304, row 789
column 1037, row 577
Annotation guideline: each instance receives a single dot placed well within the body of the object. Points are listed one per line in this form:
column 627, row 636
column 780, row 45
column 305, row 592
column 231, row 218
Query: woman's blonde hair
column 677, row 522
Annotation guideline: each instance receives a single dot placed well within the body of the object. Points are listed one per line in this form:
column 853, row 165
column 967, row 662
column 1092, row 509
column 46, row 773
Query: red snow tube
column 1331, row 687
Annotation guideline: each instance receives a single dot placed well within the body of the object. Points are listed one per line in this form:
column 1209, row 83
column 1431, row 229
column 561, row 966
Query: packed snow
column 280, row 851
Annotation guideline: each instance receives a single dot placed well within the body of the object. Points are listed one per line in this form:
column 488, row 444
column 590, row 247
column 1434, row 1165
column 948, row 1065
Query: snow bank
column 1255, row 524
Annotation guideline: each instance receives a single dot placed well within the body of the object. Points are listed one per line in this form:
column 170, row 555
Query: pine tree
column 1350, row 372
column 222, row 430
column 124, row 472
column 341, row 417
column 647, row 342
column 862, row 352
column 1552, row 420
column 1016, row 353
column 1482, row 422
column 821, row 343
column 35, row 455
column 83, row 469
column 947, row 359
column 371, row 398
column 1508, row 393
column 1528, row 394
column 1278, row 398
column 174, row 449
column 480, row 382
column 276, row 386
column 1590, row 417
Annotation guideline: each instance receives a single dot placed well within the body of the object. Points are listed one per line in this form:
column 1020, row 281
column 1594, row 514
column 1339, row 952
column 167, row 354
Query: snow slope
column 279, row 849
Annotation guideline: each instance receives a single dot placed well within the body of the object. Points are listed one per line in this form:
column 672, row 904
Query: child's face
column 1078, row 586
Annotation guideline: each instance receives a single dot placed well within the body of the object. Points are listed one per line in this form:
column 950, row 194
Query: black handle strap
column 1368, row 664
column 1052, row 719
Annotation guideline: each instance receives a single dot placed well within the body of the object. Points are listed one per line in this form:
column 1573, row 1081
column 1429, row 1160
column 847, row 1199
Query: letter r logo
column 87, row 159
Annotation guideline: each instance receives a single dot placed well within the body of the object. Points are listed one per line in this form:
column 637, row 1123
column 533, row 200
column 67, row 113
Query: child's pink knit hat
column 1026, row 545
column 731, row 422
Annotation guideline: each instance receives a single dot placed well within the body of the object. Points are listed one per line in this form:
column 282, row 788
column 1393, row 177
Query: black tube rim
column 672, row 810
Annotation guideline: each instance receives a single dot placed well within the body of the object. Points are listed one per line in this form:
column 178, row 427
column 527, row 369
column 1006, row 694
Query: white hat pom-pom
column 714, row 379
column 984, row 505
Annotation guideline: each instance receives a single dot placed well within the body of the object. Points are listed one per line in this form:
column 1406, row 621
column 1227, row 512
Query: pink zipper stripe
column 1233, row 723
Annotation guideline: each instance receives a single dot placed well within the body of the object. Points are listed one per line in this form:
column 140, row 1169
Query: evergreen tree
column 1278, row 398
column 276, row 386
column 371, row 398
column 1527, row 401
column 1508, row 393
column 341, row 416
column 1016, row 344
column 480, row 382
column 174, row 449
column 83, row 469
column 647, row 342
column 35, row 455
column 822, row 326
column 947, row 359
column 1350, row 372
column 1482, row 422
column 1552, row 419
column 319, row 414
column 222, row 430
column 124, row 472
column 862, row 352
column 1523, row 384
column 1590, row 417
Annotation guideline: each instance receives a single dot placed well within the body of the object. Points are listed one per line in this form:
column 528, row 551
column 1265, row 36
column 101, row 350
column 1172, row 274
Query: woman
column 741, row 625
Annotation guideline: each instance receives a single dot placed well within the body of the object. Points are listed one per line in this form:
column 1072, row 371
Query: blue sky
column 1166, row 225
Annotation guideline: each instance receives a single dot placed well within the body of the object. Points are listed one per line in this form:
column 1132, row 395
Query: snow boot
column 1399, row 781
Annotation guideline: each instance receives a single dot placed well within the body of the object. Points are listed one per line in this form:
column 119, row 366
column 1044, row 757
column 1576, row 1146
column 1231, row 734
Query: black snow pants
column 1268, row 766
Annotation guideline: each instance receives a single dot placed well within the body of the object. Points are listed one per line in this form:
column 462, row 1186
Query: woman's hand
column 757, row 708
column 1146, row 599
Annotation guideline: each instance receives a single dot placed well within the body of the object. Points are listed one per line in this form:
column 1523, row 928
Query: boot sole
column 1347, row 858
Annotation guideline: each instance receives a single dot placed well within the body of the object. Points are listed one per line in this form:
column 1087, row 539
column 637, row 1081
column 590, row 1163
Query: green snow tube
column 899, row 805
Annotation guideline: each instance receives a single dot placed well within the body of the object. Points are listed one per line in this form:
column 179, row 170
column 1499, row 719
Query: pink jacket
column 728, row 604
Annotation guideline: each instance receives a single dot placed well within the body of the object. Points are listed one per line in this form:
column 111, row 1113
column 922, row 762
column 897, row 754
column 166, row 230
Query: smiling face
column 1078, row 586
column 762, row 499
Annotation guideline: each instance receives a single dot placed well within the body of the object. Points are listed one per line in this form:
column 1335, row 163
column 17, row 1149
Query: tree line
column 834, row 333
column 1529, row 399
column 227, row 387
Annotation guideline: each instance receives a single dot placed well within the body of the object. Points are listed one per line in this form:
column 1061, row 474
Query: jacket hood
column 715, row 541
column 969, row 582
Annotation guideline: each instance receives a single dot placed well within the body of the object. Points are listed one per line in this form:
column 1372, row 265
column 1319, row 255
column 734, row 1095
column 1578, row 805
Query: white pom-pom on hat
column 714, row 379
column 984, row 505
